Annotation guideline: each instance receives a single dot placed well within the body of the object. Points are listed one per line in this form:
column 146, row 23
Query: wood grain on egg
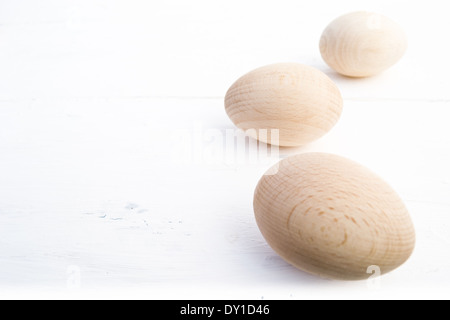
column 299, row 101
column 362, row 44
column 332, row 217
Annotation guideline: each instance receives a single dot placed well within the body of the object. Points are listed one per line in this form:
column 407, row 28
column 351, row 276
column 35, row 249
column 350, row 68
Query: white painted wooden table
column 96, row 200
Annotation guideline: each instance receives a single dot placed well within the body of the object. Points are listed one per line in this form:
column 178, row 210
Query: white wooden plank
column 101, row 103
column 93, row 183
column 198, row 48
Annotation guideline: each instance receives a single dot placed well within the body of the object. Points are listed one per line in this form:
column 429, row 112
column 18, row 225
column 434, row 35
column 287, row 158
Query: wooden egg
column 362, row 44
column 298, row 102
column 332, row 217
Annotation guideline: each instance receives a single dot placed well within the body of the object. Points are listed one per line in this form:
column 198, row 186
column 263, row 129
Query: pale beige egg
column 285, row 104
column 332, row 217
column 362, row 44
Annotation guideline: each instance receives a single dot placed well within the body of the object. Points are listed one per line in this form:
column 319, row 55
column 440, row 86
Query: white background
column 95, row 200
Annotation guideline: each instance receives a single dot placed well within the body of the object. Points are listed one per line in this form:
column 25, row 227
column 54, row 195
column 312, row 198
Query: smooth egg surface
column 285, row 104
column 362, row 44
column 332, row 217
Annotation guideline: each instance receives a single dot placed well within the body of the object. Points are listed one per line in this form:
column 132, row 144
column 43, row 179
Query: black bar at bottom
column 227, row 309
